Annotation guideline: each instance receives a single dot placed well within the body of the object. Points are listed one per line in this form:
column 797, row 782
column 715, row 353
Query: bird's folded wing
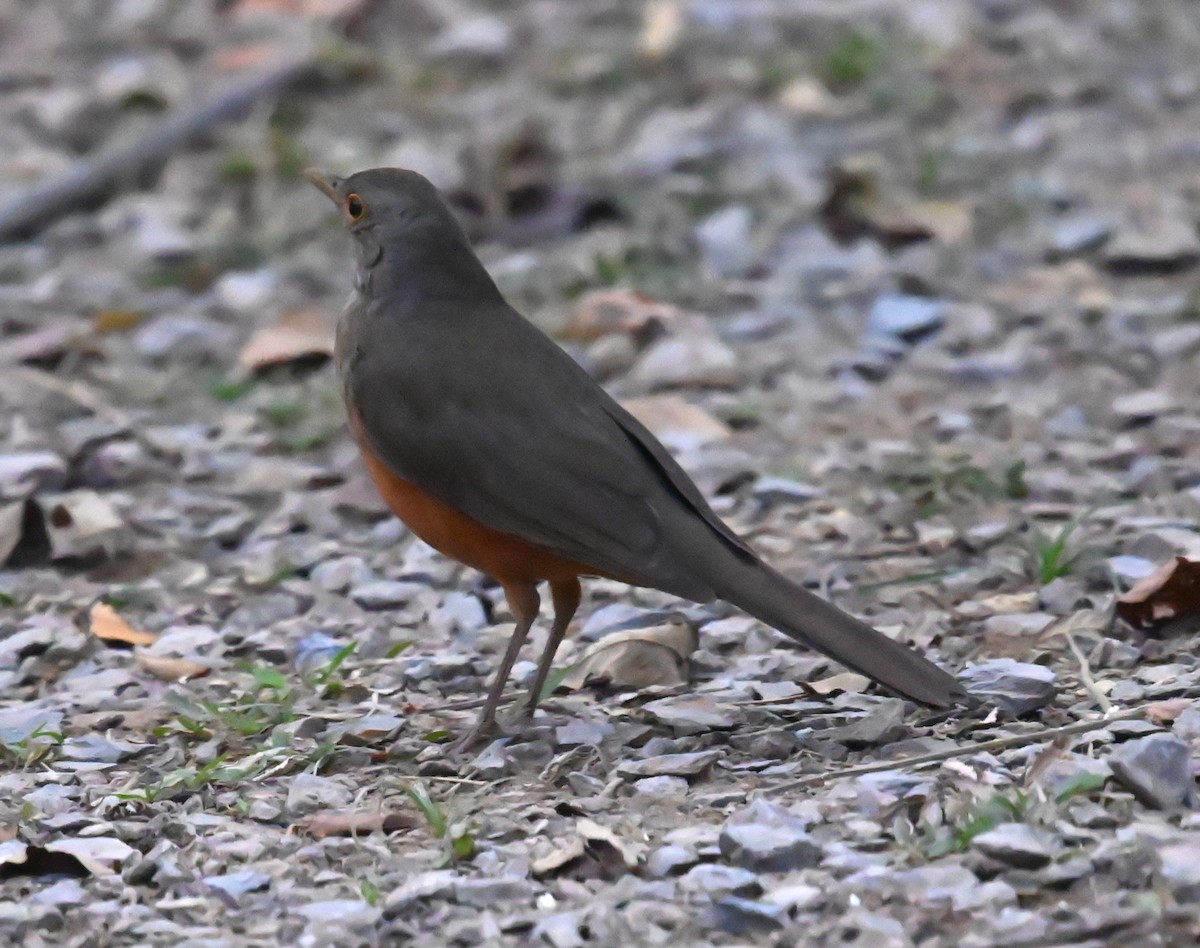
column 530, row 447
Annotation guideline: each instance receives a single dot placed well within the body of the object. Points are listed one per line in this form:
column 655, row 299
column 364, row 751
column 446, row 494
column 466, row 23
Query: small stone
column 339, row 574
column 672, row 765
column 237, row 884
column 179, row 336
column 385, row 593
column 670, row 860
column 1156, row 769
column 344, row 914
column 494, row 761
column 746, row 916
column 1144, row 405
column 578, row 732
column 661, row 786
column 716, row 880
column 1163, row 247
column 1017, row 687
column 486, row 892
column 780, row 490
column 1179, row 866
column 370, row 729
column 908, row 318
column 725, row 241
column 693, row 358
column 31, row 472
column 309, row 792
column 883, row 724
column 1015, row 844
column 766, row 837
column 435, row 884
column 1078, row 235
column 692, row 714
column 1130, row 569
column 483, row 36
column 246, row 291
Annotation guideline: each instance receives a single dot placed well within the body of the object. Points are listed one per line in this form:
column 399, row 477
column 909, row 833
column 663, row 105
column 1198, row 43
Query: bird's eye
column 355, row 207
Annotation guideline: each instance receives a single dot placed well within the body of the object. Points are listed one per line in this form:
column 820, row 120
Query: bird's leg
column 523, row 602
column 566, row 595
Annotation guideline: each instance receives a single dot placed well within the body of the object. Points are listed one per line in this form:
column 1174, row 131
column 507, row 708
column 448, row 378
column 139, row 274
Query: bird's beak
column 325, row 183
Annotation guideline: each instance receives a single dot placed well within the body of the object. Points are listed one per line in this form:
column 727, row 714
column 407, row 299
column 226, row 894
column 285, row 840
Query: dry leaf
column 604, row 312
column 844, row 681
column 355, row 822
column 1163, row 712
column 170, row 668
column 108, row 625
column 637, row 658
column 298, row 334
column 594, row 852
column 116, row 320
column 1171, row 592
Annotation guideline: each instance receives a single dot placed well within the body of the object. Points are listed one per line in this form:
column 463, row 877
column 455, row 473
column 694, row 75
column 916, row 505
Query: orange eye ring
column 355, row 207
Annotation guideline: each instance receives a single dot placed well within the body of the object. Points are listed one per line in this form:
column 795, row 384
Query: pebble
column 671, row 765
column 725, row 241
column 1179, row 867
column 669, row 860
column 715, row 880
column 1015, row 844
column 31, row 472
column 1016, row 687
column 339, row 574
column 1156, row 769
column 385, row 593
column 178, row 336
column 780, row 490
column 908, row 318
column 694, row 358
column 246, row 291
column 661, row 786
column 310, row 792
column 766, row 837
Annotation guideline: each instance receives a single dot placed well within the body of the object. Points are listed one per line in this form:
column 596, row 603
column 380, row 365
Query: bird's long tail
column 774, row 599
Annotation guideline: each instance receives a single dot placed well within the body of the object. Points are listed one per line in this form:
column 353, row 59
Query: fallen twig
column 121, row 166
column 998, row 744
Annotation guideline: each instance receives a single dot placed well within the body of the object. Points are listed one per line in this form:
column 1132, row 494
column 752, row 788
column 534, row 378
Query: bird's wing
column 494, row 419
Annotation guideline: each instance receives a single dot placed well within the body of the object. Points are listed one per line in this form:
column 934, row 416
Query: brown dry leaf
column 170, row 668
column 1171, row 592
column 108, row 625
column 843, row 681
column 637, row 658
column 594, row 852
column 355, row 822
column 298, row 334
column 604, row 312
column 1166, row 711
column 116, row 320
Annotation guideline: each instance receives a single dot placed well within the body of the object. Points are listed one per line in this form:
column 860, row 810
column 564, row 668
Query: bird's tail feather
column 774, row 599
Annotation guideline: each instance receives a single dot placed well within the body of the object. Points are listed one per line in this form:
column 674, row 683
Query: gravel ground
column 911, row 288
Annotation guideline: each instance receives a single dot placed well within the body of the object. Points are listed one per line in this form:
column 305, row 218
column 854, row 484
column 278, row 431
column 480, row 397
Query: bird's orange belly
column 502, row 556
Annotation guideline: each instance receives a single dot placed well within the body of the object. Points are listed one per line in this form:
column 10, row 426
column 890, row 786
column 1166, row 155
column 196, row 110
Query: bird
column 495, row 447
